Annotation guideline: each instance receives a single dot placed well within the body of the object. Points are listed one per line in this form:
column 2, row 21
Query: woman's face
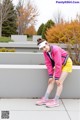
column 46, row 48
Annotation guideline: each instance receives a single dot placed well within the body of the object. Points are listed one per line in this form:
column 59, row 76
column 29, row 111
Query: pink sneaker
column 42, row 101
column 52, row 103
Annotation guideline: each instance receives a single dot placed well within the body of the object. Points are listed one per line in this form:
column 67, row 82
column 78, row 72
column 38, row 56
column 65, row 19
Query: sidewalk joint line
column 66, row 109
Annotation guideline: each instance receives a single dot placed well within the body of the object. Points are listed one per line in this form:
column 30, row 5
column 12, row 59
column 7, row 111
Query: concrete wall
column 23, row 76
column 19, row 38
column 28, row 46
column 21, row 46
column 27, row 58
column 28, row 81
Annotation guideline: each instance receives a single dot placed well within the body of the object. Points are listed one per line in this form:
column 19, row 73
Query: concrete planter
column 24, row 75
column 30, row 81
column 27, row 46
column 21, row 58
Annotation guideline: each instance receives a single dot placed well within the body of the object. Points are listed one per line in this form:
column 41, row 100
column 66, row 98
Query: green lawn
column 5, row 39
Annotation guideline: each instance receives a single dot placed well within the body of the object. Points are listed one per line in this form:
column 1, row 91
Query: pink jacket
column 59, row 56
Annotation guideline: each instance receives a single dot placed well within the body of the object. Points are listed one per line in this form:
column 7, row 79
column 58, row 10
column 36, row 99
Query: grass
column 5, row 39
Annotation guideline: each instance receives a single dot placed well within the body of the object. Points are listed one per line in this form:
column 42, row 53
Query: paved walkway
column 25, row 109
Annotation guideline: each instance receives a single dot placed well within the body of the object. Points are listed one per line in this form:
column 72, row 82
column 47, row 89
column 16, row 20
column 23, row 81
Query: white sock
column 56, row 98
column 46, row 95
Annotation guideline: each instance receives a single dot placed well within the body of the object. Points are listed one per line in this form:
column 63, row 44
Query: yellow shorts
column 68, row 66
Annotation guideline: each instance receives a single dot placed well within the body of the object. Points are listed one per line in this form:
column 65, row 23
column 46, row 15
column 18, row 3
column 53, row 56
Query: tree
column 58, row 18
column 64, row 32
column 9, row 26
column 48, row 25
column 30, row 31
column 39, row 32
column 5, row 9
column 26, row 16
column 68, row 33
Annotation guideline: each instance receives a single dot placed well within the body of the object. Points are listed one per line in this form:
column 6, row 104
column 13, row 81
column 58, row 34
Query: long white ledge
column 28, row 81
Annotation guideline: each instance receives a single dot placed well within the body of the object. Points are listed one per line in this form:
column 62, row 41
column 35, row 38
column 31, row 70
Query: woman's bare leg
column 50, row 87
column 60, row 87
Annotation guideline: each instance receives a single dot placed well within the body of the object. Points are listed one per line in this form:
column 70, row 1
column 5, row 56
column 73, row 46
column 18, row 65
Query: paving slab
column 74, row 115
column 25, row 109
column 26, row 104
column 72, row 107
column 38, row 115
column 72, row 104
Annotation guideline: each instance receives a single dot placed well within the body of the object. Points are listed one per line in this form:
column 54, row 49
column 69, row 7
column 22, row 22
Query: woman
column 58, row 65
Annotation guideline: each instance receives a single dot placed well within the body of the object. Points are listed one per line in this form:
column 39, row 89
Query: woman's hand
column 58, row 82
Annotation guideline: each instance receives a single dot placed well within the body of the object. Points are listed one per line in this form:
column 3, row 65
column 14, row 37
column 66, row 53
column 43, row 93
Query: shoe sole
column 40, row 104
column 53, row 106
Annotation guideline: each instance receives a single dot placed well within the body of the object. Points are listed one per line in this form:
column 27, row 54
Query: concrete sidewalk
column 25, row 109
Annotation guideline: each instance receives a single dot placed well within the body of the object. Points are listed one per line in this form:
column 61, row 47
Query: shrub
column 6, row 50
column 64, row 32
column 68, row 33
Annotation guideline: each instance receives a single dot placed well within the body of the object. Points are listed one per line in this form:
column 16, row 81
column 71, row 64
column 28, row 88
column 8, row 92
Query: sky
column 48, row 9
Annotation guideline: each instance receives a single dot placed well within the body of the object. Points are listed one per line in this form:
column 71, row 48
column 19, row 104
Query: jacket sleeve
column 58, row 63
column 48, row 65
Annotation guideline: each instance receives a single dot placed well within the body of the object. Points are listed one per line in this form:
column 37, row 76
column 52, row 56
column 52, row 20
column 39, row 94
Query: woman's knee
column 59, row 83
column 60, row 86
column 51, row 81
